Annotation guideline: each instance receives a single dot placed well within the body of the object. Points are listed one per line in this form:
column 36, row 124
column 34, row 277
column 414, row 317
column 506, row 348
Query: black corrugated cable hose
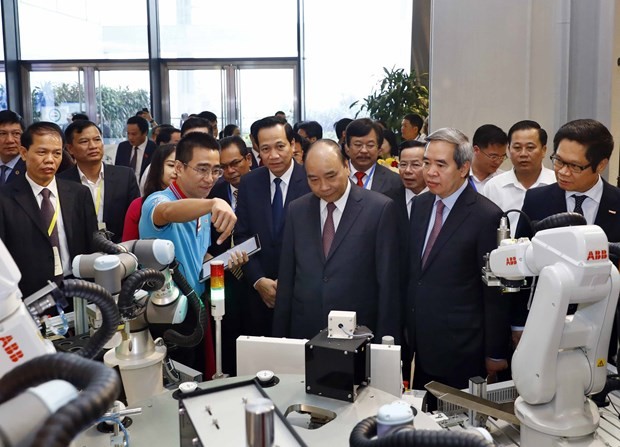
column 362, row 434
column 146, row 279
column 559, row 220
column 109, row 312
column 103, row 244
column 99, row 386
column 172, row 336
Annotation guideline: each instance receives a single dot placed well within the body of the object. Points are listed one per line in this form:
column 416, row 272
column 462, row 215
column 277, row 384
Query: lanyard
column 98, row 197
column 179, row 195
column 369, row 176
column 50, row 229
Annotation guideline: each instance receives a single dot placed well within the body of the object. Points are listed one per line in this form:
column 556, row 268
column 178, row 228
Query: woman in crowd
column 159, row 177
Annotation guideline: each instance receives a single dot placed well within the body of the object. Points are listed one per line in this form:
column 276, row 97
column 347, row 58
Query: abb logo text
column 595, row 255
column 511, row 260
column 11, row 348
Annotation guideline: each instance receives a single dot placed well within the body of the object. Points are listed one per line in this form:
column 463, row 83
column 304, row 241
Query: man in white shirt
column 490, row 144
column 527, row 148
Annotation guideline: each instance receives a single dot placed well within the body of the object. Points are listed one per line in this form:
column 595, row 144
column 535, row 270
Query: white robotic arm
column 561, row 359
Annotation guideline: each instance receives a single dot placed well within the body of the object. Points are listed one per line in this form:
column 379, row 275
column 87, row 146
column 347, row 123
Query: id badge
column 101, row 226
column 57, row 262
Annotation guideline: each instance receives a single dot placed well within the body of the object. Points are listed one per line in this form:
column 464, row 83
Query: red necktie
column 329, row 231
column 434, row 232
column 360, row 176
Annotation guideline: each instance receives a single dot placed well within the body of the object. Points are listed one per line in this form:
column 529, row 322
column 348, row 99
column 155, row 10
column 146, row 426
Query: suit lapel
column 457, row 215
column 110, row 180
column 378, row 178
column 607, row 215
column 352, row 209
column 25, row 199
column 313, row 224
column 18, row 171
column 420, row 218
column 67, row 207
column 297, row 177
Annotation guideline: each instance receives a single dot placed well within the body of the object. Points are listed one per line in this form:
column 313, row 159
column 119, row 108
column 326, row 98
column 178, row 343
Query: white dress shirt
column 589, row 205
column 480, row 184
column 368, row 177
column 97, row 191
column 62, row 237
column 409, row 196
column 508, row 193
column 337, row 214
column 286, row 181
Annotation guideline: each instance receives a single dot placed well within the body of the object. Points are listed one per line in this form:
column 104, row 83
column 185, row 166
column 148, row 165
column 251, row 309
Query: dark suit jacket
column 23, row 232
column 360, row 273
column 120, row 189
column 254, row 217
column 123, row 154
column 255, row 162
column 546, row 201
column 453, row 319
column 385, row 180
column 18, row 171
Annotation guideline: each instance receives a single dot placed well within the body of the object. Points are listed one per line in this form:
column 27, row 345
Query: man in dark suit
column 364, row 137
column 264, row 195
column 235, row 162
column 44, row 221
column 339, row 252
column 581, row 152
column 136, row 152
column 113, row 188
column 11, row 164
column 457, row 326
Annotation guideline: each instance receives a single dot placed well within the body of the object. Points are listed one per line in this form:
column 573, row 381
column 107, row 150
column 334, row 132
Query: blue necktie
column 277, row 209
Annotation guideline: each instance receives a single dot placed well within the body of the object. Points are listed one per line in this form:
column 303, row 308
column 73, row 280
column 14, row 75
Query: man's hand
column 237, row 259
column 223, row 219
column 493, row 367
column 266, row 288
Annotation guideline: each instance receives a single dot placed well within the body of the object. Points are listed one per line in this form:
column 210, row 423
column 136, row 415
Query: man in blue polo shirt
column 182, row 214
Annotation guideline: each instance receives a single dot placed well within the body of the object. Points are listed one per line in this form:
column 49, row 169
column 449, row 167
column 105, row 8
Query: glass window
column 263, row 92
column 83, row 29
column 56, row 96
column 194, row 91
column 119, row 95
column 228, row 28
column 342, row 67
column 3, row 98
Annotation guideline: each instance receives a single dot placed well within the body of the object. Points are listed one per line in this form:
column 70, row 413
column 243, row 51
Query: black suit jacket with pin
column 22, row 229
column 359, row 274
column 454, row 321
column 120, row 189
column 19, row 170
column 124, row 152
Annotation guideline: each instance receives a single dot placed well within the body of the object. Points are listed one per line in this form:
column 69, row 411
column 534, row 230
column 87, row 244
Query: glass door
column 56, row 96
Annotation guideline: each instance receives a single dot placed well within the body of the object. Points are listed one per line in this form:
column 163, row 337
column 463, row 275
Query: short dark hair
column 209, row 116
column 201, row 140
column 525, row 125
column 279, row 112
column 271, row 121
column 142, row 124
column 10, row 117
column 228, row 130
column 341, row 125
column 237, row 141
column 40, row 128
column 592, row 134
column 409, row 144
column 312, row 128
column 194, row 122
column 304, row 142
column 362, row 127
column 390, row 137
column 78, row 127
column 489, row 134
column 153, row 179
column 415, row 120
column 79, row 116
column 165, row 134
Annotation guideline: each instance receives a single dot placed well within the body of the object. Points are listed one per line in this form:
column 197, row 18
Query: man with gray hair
column 457, row 327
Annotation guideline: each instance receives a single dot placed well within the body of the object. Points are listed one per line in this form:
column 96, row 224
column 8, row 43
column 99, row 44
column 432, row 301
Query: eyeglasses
column 206, row 172
column 233, row 164
column 14, row 134
column 358, row 145
column 558, row 164
column 413, row 165
column 495, row 157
